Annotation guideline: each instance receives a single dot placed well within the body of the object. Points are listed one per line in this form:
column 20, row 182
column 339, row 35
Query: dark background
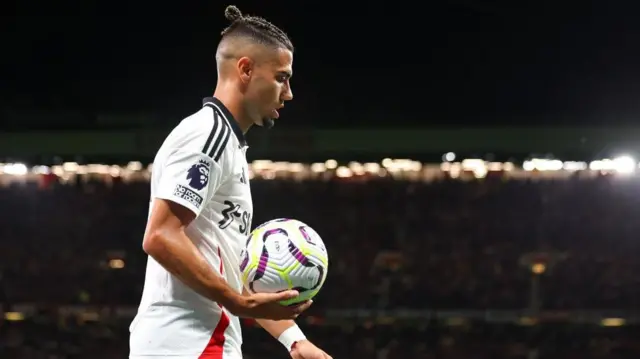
column 442, row 63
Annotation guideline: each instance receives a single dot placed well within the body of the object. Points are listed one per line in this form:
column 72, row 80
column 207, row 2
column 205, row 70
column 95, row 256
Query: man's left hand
column 304, row 349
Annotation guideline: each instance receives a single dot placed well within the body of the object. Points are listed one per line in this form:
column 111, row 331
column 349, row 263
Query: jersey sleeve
column 189, row 178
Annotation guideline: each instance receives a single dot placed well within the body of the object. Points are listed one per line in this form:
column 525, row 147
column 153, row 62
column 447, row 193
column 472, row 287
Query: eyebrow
column 289, row 74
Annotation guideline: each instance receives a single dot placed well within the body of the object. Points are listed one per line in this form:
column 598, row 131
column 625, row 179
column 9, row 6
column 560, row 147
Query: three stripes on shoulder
column 218, row 137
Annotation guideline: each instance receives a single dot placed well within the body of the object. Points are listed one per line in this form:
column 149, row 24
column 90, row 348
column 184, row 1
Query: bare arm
column 166, row 241
column 274, row 327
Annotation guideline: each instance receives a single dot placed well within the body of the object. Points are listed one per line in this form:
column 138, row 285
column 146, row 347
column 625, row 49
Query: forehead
column 283, row 60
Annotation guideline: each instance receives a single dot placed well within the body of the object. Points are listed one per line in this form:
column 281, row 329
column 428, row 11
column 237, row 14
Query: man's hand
column 267, row 306
column 304, row 349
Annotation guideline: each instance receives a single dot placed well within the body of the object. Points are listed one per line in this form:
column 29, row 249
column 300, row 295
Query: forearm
column 274, row 327
column 285, row 331
column 179, row 256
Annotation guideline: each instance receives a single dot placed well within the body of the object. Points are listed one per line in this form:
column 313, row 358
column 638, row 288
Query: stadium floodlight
column 449, row 157
column 624, row 164
column 16, row 169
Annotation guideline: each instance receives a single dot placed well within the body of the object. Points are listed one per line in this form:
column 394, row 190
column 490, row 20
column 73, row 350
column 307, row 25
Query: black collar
column 217, row 104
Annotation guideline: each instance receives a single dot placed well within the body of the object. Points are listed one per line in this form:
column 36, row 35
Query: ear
column 245, row 69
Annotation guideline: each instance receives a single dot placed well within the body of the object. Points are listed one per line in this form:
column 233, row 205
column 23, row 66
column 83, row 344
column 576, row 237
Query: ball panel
column 271, row 281
column 305, row 278
column 316, row 256
column 308, row 234
column 244, row 260
column 249, row 273
column 262, row 264
column 280, row 256
column 312, row 244
column 298, row 254
column 276, row 244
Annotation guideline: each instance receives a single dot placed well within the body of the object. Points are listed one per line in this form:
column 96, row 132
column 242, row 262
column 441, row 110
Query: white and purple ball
column 284, row 254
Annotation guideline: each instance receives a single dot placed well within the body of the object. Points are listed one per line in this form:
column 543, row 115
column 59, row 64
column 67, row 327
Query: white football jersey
column 202, row 166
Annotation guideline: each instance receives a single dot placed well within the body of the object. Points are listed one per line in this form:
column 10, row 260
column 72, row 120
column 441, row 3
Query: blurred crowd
column 446, row 245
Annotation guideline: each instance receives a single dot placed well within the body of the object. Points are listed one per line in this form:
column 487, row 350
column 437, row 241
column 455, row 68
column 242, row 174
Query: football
column 284, row 254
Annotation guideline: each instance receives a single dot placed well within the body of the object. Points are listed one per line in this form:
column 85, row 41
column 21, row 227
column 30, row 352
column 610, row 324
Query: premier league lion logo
column 198, row 175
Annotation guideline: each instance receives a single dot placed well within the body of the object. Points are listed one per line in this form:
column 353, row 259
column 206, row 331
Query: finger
column 276, row 297
column 284, row 295
column 286, row 313
column 327, row 356
column 302, row 307
column 299, row 304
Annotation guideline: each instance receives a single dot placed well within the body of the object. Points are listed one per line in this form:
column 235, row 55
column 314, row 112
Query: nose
column 287, row 94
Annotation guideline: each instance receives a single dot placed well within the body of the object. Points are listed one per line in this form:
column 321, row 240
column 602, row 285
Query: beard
column 268, row 123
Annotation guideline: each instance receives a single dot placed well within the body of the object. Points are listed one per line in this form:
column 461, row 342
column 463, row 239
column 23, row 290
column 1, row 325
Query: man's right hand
column 267, row 306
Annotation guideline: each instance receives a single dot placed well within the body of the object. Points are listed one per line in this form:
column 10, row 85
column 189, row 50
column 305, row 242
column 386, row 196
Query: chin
column 267, row 123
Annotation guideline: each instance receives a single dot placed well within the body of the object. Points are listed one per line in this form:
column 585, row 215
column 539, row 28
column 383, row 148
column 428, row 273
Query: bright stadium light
column 624, row 164
column 16, row 169
column 449, row 157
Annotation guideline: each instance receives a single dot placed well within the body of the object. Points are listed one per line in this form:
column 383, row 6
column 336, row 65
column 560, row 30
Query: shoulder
column 205, row 131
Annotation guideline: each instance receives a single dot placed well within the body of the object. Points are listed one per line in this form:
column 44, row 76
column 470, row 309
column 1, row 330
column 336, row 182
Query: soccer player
column 201, row 209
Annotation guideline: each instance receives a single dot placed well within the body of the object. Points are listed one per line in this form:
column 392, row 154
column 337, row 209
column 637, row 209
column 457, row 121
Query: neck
column 232, row 100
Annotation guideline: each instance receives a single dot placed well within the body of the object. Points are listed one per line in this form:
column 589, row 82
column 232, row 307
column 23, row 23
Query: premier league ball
column 285, row 254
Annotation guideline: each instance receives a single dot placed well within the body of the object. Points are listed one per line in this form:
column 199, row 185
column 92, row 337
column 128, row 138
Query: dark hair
column 255, row 28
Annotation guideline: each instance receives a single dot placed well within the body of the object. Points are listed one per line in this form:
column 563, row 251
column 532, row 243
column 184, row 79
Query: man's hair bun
column 232, row 13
